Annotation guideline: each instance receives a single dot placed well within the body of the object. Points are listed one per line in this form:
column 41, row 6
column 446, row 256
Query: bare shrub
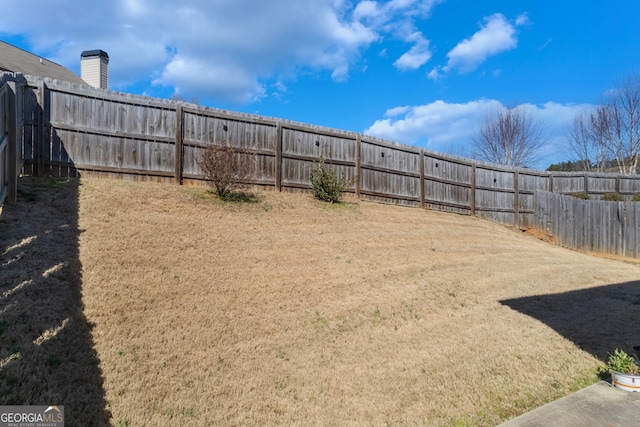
column 226, row 168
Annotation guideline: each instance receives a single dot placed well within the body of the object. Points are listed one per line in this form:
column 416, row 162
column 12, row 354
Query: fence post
column 473, row 189
column 358, row 163
column 278, row 171
column 551, row 183
column 516, row 200
column 622, row 206
column 179, row 138
column 12, row 148
column 423, row 196
column 586, row 183
column 41, row 134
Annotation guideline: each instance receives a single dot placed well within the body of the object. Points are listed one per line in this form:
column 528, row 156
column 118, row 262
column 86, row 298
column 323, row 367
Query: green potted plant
column 625, row 371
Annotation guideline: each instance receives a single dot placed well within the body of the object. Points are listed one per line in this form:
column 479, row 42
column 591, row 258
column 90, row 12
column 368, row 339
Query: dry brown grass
column 46, row 351
column 290, row 311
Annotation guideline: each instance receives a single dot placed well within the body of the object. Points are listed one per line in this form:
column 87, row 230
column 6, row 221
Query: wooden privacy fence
column 598, row 226
column 10, row 136
column 69, row 128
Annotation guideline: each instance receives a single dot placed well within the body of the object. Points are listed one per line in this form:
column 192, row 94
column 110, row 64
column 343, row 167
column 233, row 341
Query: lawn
column 136, row 303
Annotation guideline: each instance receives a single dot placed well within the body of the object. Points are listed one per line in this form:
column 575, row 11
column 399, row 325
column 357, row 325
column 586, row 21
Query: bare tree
column 585, row 144
column 511, row 136
column 616, row 123
column 611, row 132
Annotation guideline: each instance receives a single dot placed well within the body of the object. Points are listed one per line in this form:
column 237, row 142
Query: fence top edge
column 169, row 104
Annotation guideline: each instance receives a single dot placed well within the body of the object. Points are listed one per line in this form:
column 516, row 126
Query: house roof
column 16, row 60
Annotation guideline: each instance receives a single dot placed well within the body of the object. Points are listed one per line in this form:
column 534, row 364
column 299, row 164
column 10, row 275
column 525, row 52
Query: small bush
column 622, row 362
column 636, row 198
column 580, row 195
column 613, row 197
column 226, row 168
column 325, row 183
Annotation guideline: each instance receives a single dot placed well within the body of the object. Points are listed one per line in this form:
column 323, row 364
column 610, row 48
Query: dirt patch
column 541, row 235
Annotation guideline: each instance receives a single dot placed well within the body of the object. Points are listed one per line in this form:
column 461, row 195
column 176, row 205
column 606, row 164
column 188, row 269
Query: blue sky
column 422, row 73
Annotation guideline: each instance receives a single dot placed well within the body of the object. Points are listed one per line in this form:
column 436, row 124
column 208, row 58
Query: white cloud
column 366, row 10
column 436, row 125
column 190, row 45
column 496, row 35
column 447, row 127
column 417, row 56
column 435, row 73
column 522, row 19
column 228, row 81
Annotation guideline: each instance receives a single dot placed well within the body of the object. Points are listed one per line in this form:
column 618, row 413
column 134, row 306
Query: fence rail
column 69, row 129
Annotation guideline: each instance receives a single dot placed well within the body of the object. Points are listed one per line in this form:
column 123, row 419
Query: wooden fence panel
column 590, row 225
column 4, row 143
column 598, row 185
column 310, row 146
column 10, row 136
column 633, row 229
column 105, row 116
column 448, row 184
column 101, row 134
column 202, row 128
column 629, row 185
column 398, row 189
column 568, row 183
column 402, row 160
column 31, row 113
column 301, row 149
column 96, row 152
column 495, row 194
column 390, row 173
column 529, row 182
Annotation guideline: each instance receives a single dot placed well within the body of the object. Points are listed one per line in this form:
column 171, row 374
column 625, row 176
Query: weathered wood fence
column 69, row 129
column 10, row 136
column 598, row 226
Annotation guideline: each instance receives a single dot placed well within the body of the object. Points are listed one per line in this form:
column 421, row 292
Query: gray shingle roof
column 16, row 60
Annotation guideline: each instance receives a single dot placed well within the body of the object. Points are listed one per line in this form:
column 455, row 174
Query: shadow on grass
column 46, row 349
column 598, row 320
